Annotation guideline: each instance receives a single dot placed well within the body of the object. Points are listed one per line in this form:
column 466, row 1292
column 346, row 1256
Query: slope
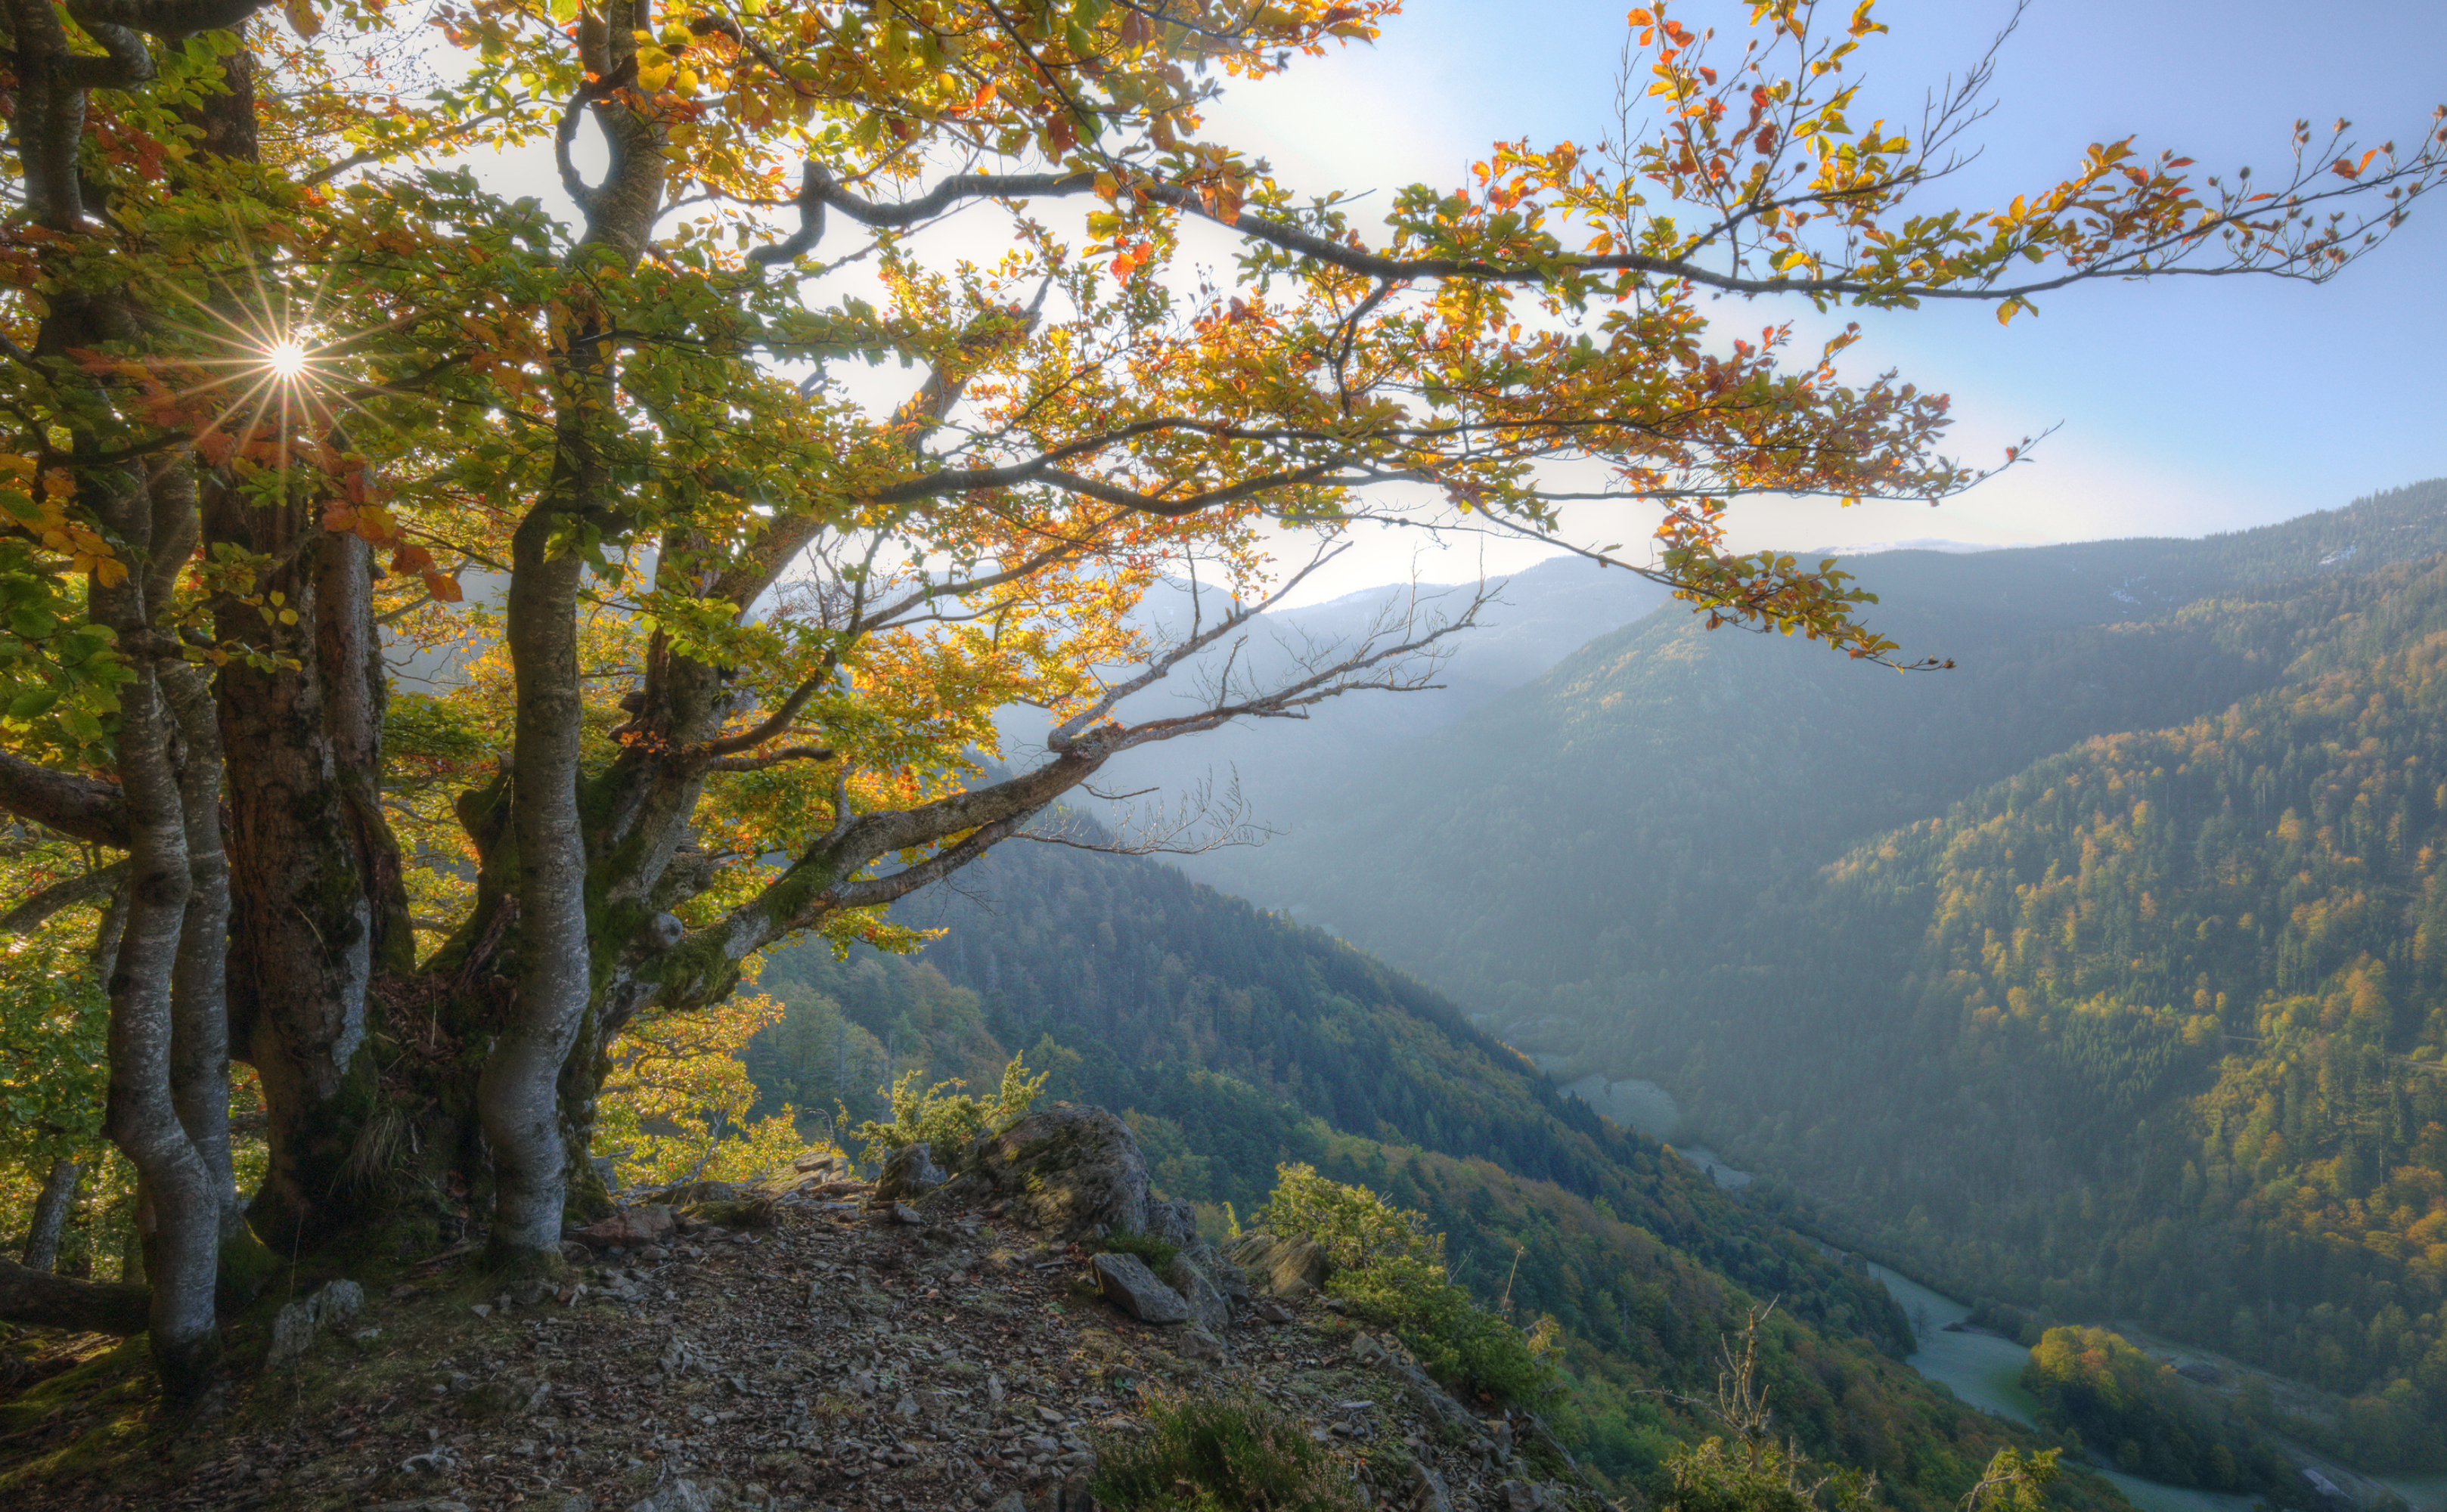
column 1234, row 1040
column 2177, row 1000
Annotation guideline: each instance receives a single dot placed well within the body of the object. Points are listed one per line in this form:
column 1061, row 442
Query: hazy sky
column 2188, row 406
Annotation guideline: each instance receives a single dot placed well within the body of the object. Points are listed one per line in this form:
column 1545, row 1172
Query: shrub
column 1155, row 1252
column 1752, row 1468
column 1389, row 1270
column 1220, row 1454
column 1354, row 1226
column 941, row 1116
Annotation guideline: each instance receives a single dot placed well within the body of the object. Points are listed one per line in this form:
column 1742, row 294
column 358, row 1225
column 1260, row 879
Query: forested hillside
column 1583, row 843
column 2176, row 1001
column 1233, row 1040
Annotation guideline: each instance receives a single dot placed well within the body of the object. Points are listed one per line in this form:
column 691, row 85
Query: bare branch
column 29, row 915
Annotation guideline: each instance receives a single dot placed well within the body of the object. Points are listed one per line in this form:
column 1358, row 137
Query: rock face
column 1280, row 1267
column 1065, row 1170
column 830, row 1165
column 1174, row 1221
column 1125, row 1282
column 910, row 1172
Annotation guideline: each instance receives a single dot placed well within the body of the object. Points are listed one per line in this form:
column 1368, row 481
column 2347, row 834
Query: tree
column 281, row 371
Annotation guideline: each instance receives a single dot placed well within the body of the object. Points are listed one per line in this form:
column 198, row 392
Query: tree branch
column 76, row 806
column 29, row 915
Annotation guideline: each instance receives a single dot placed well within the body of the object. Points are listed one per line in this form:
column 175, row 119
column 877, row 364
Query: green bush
column 1220, row 1454
column 1389, row 1270
column 942, row 1117
column 1146, row 1246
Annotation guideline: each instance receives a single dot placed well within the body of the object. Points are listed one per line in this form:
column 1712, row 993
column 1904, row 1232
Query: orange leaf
column 444, row 588
column 412, row 557
column 339, row 517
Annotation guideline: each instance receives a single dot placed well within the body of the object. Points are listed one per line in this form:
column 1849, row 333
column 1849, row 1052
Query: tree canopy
column 769, row 497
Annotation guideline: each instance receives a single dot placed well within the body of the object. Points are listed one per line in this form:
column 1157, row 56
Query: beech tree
column 287, row 366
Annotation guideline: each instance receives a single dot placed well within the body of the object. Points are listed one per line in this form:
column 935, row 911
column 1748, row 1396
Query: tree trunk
column 518, row 1093
column 317, row 910
column 520, row 1097
column 179, row 1210
column 51, row 1211
column 143, row 1120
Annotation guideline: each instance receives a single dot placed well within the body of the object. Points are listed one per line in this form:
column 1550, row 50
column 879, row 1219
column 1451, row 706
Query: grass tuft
column 1220, row 1454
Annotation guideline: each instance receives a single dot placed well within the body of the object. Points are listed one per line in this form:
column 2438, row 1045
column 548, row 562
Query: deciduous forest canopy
column 281, row 367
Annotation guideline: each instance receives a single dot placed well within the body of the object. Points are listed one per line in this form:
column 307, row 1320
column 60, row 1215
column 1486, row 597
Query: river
column 1981, row 1369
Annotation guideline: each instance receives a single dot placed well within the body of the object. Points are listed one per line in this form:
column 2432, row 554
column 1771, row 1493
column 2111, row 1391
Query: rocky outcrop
column 1063, row 1170
column 1124, row 1281
column 1175, row 1222
column 1193, row 1274
column 909, row 1172
column 956, row 1367
column 1278, row 1267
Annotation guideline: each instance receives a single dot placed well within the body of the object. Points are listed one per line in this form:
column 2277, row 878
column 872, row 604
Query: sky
column 2182, row 406
column 2185, row 407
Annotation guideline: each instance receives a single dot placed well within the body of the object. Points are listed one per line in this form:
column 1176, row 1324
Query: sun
column 286, row 358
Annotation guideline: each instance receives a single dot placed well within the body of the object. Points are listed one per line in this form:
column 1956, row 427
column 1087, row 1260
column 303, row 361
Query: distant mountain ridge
column 1733, row 765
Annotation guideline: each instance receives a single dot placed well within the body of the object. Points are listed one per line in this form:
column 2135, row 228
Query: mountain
column 1581, row 843
column 2099, row 975
column 2176, row 999
column 1537, row 617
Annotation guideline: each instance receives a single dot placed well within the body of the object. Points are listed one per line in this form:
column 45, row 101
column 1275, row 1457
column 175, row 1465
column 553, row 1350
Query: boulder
column 1191, row 1274
column 1175, row 1222
column 697, row 1194
column 1195, row 1343
column 295, row 1326
column 292, row 1334
column 910, row 1171
column 645, row 1224
column 1125, row 1282
column 1064, row 1170
column 1280, row 1267
column 832, row 1165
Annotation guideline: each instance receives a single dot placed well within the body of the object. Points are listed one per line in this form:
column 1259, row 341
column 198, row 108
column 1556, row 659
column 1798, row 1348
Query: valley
column 2131, row 914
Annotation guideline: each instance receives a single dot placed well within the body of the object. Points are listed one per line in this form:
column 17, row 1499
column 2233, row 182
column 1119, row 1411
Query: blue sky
column 2186, row 407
